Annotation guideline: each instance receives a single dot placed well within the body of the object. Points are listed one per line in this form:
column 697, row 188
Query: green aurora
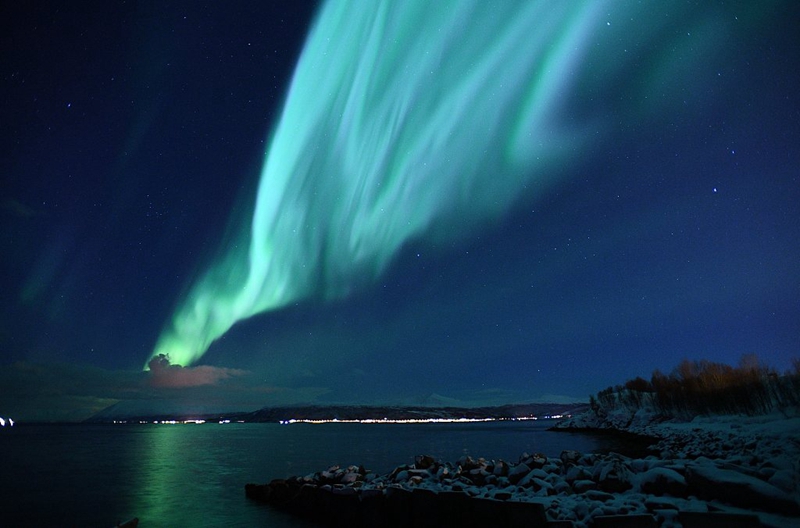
column 421, row 120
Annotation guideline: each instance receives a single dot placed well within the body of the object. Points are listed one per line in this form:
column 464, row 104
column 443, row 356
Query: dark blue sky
column 133, row 136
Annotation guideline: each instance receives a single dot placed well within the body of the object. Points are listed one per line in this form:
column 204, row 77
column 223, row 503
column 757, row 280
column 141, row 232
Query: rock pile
column 575, row 489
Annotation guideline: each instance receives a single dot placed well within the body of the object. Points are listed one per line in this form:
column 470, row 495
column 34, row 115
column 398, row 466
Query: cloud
column 164, row 374
column 74, row 392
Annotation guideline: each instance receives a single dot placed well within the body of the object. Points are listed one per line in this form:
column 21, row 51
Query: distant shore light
column 414, row 420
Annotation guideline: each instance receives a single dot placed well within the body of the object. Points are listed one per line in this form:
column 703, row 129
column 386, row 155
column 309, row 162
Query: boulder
column 424, row 461
column 562, row 487
column 538, row 484
column 570, row 458
column 350, row 477
column 343, row 491
column 257, row 492
column 581, row 486
column 280, row 492
column 330, row 473
column 501, row 495
column 613, row 476
column 527, row 480
column 597, row 495
column 536, row 460
column 784, row 480
column 663, row 481
column 466, row 462
column 577, row 473
column 500, row 469
column 478, row 475
column 401, row 476
column 713, row 483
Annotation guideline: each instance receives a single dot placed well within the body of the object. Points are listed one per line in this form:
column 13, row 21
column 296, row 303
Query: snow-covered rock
column 661, row 481
column 710, row 481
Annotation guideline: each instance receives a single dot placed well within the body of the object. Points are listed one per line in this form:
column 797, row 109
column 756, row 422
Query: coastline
column 717, row 471
column 634, row 445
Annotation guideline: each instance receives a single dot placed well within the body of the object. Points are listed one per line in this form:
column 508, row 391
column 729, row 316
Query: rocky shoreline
column 732, row 473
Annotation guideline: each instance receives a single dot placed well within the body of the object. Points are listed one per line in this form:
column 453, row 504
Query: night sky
column 133, row 140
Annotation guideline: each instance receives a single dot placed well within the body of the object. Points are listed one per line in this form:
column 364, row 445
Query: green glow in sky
column 404, row 121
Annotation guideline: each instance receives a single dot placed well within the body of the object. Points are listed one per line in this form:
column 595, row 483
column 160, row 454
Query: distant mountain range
column 359, row 412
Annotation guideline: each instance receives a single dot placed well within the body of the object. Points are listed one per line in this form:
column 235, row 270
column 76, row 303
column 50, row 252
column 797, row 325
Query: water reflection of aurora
column 183, row 461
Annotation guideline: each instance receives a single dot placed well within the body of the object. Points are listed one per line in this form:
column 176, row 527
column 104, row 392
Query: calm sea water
column 194, row 475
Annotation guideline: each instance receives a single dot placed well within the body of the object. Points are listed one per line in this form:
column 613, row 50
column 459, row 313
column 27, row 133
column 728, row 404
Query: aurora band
column 413, row 119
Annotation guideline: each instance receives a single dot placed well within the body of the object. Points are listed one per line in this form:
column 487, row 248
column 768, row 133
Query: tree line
column 705, row 387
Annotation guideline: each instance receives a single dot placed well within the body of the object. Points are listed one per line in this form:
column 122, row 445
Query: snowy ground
column 734, row 464
column 741, row 464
